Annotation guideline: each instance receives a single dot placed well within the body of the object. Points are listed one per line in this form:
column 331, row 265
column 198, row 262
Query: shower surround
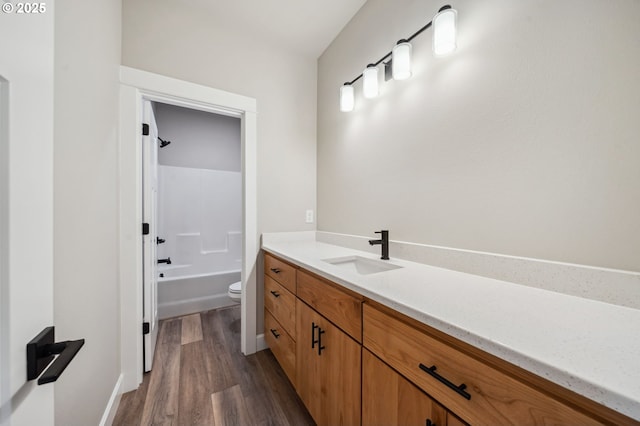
column 200, row 219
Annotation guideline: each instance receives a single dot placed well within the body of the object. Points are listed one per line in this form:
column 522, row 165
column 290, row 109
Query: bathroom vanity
column 406, row 346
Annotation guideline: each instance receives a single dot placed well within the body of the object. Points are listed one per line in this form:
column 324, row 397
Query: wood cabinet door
column 327, row 369
column 388, row 399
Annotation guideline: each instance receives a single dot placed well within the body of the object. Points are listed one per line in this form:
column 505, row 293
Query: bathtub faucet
column 167, row 261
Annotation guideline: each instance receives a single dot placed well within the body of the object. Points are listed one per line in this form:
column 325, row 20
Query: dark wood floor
column 200, row 377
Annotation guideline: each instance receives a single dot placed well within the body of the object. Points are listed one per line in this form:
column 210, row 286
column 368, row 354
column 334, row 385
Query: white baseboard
column 261, row 344
column 112, row 406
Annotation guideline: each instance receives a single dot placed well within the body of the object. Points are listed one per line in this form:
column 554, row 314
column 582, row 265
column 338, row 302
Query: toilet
column 235, row 292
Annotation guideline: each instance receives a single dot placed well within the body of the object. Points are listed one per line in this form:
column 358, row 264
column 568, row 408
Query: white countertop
column 590, row 347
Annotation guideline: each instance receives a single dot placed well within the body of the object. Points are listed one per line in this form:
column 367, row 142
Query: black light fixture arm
column 414, row 35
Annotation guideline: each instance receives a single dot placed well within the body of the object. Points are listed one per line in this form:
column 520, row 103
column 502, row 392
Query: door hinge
column 145, row 229
column 145, row 129
column 145, row 328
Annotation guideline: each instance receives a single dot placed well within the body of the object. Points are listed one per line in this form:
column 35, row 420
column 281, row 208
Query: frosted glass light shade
column 370, row 82
column 401, row 60
column 444, row 32
column 347, row 98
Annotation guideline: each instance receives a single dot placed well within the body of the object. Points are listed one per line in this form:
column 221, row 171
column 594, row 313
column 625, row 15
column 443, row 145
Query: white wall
column 522, row 142
column 86, row 295
column 180, row 40
column 199, row 139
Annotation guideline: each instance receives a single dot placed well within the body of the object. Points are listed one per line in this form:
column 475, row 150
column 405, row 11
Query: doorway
column 198, row 209
column 139, row 86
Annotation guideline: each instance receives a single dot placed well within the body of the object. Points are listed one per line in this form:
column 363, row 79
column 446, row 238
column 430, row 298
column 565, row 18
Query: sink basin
column 361, row 265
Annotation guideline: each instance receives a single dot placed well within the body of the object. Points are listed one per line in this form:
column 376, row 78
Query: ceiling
column 304, row 26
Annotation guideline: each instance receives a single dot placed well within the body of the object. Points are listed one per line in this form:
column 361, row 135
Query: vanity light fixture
column 444, row 32
column 347, row 99
column 398, row 66
column 401, row 60
column 370, row 82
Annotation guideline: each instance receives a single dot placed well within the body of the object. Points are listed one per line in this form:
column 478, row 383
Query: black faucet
column 167, row 261
column 384, row 241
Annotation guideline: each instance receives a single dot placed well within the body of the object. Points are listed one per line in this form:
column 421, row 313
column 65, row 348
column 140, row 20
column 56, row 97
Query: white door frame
column 137, row 85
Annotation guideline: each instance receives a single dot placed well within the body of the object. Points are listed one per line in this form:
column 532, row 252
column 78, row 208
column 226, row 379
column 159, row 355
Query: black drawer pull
column 313, row 335
column 432, row 372
column 275, row 270
column 320, row 347
column 275, row 334
column 275, row 293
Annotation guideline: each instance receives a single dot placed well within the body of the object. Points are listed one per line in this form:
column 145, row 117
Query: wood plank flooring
column 200, row 377
column 191, row 329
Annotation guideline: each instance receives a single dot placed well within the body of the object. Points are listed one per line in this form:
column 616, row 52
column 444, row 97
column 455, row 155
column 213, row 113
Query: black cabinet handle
column 275, row 334
column 275, row 270
column 320, row 347
column 40, row 352
column 313, row 334
column 430, row 423
column 317, row 341
column 275, row 293
column 458, row 389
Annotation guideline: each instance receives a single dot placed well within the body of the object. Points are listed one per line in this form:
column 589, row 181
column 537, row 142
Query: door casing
column 137, row 86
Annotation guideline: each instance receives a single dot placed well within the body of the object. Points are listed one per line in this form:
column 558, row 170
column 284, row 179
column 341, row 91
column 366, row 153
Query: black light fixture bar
column 414, row 35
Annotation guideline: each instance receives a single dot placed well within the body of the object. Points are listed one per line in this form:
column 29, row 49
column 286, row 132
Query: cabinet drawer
column 489, row 397
column 280, row 271
column 281, row 303
column 338, row 306
column 281, row 344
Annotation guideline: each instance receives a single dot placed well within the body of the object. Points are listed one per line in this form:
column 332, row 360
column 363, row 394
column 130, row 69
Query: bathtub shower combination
column 200, row 218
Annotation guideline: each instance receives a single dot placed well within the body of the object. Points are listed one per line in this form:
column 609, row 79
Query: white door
column 149, row 241
column 26, row 206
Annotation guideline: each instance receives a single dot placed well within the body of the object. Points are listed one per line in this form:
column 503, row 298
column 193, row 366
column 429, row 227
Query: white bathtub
column 187, row 294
